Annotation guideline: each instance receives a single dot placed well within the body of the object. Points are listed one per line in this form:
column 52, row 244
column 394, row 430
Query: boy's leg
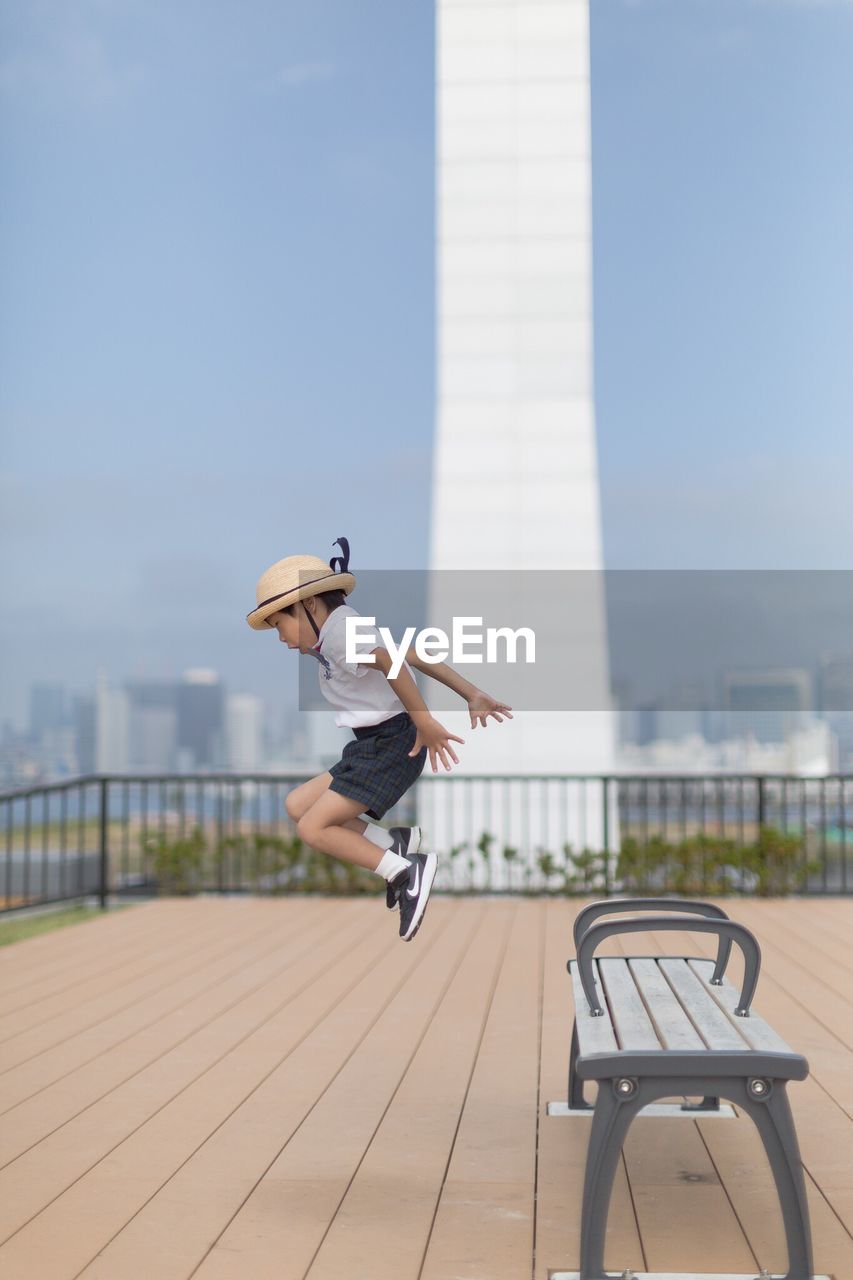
column 301, row 798
column 323, row 827
column 331, row 824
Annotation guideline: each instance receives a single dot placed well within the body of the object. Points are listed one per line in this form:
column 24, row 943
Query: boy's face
column 294, row 629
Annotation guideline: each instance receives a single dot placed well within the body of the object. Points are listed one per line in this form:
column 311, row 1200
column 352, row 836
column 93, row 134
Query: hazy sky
column 216, row 312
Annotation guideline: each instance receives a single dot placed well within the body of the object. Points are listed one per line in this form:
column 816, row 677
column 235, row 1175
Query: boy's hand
column 436, row 739
column 480, row 706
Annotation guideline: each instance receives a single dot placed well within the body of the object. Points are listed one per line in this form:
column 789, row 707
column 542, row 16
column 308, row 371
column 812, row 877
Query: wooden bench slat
column 754, row 1029
column 673, row 1026
column 631, row 1022
column 595, row 1034
column 710, row 1021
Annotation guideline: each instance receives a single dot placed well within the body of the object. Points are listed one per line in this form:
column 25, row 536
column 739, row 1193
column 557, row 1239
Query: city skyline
column 769, row 720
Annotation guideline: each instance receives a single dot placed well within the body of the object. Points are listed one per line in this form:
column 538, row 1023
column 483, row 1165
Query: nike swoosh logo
column 413, row 893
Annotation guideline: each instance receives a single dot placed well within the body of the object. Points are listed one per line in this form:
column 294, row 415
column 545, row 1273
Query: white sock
column 391, row 865
column 377, row 835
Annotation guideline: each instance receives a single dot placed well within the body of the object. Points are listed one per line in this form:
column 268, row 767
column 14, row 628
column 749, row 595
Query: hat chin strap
column 310, row 618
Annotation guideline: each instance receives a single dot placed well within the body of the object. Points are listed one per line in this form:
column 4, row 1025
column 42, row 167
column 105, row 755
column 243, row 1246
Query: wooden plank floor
column 260, row 1089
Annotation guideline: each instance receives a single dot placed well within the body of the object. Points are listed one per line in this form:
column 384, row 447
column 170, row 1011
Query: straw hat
column 297, row 578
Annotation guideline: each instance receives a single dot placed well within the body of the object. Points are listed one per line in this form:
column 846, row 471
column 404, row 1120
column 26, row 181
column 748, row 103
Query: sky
column 217, row 307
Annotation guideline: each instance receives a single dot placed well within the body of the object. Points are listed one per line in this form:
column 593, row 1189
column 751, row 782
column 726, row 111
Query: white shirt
column 361, row 695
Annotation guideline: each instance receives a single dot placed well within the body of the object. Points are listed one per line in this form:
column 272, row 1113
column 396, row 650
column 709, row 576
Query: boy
column 303, row 599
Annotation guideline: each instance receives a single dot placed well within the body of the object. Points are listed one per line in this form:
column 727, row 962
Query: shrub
column 177, row 863
column 774, row 864
column 708, row 864
column 584, row 872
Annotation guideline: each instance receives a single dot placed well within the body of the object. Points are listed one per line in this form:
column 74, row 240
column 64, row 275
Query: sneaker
column 414, row 892
column 407, row 840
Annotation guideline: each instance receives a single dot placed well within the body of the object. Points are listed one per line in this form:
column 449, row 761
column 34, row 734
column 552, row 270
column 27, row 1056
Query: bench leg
column 775, row 1124
column 610, row 1124
column 771, row 1114
column 577, row 1101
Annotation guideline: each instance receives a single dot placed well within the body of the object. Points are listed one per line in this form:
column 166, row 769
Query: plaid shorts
column 375, row 768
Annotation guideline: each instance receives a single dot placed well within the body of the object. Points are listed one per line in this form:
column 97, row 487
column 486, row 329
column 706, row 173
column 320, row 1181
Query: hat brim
column 257, row 619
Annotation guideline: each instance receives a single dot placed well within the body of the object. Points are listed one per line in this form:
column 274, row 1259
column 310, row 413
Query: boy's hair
column 331, row 599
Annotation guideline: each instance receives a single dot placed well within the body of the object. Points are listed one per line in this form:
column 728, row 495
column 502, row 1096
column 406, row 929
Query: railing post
column 220, row 836
column 104, row 874
column 606, row 834
column 762, row 802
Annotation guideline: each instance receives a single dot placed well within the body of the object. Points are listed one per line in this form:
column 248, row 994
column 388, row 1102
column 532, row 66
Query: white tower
column 515, row 482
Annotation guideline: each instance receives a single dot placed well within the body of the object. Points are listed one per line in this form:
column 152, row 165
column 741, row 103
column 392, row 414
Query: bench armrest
column 727, row 929
column 609, row 906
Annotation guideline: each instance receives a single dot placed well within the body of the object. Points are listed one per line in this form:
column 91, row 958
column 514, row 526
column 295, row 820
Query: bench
column 657, row 1027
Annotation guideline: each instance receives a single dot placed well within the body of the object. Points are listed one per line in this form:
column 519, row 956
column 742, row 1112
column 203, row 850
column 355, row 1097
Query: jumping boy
column 303, row 598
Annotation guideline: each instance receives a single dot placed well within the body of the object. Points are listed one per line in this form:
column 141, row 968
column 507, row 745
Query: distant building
column 651, row 723
column 112, row 728
column 83, row 722
column 325, row 739
column 201, row 720
column 153, row 728
column 835, row 702
column 769, row 704
column 244, row 732
column 809, row 751
column 311, row 742
column 682, row 714
column 17, row 766
column 835, row 684
column 47, row 709
column 56, row 753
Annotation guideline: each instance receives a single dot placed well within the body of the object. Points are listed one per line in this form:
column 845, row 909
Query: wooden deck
column 261, row 1089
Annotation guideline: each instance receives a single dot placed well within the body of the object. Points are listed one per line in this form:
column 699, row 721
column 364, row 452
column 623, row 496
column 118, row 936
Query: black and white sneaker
column 407, row 840
column 413, row 892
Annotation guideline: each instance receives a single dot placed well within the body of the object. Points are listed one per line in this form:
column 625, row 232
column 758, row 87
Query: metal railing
column 107, row 835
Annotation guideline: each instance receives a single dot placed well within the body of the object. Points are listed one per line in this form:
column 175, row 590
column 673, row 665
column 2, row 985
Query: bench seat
column 664, row 1004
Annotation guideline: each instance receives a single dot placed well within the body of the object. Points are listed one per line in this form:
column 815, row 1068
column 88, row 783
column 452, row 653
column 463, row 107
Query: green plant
column 709, row 864
column 547, row 864
column 699, row 865
column 583, row 872
column 510, row 855
column 484, row 848
column 777, row 862
column 454, row 852
column 177, row 863
column 267, row 862
column 484, row 845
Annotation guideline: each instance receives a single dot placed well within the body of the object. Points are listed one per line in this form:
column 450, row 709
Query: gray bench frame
column 629, row 1080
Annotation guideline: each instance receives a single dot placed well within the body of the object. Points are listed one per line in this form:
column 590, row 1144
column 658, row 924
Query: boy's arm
column 431, row 734
column 480, row 704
